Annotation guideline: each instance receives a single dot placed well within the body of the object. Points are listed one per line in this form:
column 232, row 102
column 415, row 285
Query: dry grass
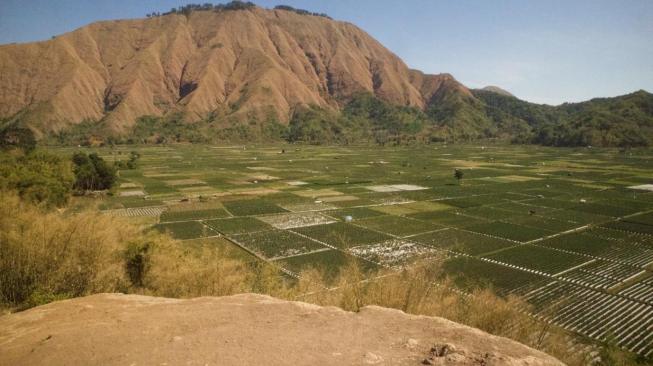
column 422, row 290
column 46, row 255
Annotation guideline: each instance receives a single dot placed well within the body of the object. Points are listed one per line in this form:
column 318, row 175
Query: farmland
column 560, row 227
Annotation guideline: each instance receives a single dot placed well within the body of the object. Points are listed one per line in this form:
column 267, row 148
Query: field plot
column 630, row 253
column 601, row 274
column 644, row 219
column 633, row 227
column 188, row 215
column 541, row 260
column 294, row 220
column 449, row 218
column 393, row 252
column 470, row 273
column 640, row 291
column 397, row 225
column 510, row 231
column 237, row 225
column 559, row 226
column 395, row 188
column 463, row 242
column 309, row 206
column 342, row 235
column 330, row 262
column 275, row 244
column 356, row 213
column 252, row 207
column 535, row 221
column 185, row 230
column 136, row 212
column 597, row 315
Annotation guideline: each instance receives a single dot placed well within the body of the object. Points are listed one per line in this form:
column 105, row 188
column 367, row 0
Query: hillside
column 252, row 74
column 251, row 63
column 621, row 121
column 114, row 329
column 496, row 89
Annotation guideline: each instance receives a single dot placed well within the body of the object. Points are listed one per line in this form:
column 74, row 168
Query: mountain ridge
column 120, row 70
column 273, row 74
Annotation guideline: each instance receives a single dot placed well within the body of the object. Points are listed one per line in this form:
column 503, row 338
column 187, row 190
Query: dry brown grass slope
column 231, row 63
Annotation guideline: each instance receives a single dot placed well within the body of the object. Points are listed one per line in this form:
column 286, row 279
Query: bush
column 46, row 255
column 129, row 164
column 92, row 172
column 17, row 137
column 38, row 177
column 137, row 261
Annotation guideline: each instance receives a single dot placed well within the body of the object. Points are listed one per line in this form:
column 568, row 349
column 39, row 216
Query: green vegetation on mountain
column 625, row 121
column 621, row 121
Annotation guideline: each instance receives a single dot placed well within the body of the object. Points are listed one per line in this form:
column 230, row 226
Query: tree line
column 187, row 9
column 48, row 179
column 233, row 5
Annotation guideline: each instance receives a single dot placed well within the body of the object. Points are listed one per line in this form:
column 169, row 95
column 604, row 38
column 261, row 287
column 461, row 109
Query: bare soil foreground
column 247, row 329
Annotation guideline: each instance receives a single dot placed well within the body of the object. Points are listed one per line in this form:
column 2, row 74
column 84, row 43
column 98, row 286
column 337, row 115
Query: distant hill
column 496, row 89
column 241, row 72
column 620, row 121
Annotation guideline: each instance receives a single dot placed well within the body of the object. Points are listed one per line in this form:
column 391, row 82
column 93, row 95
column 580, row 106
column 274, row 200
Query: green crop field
column 546, row 223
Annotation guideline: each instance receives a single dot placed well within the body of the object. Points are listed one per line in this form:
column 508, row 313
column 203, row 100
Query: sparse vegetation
column 188, row 8
column 300, row 11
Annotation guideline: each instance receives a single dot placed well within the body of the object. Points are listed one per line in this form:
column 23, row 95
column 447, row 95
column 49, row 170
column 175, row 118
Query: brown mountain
column 233, row 64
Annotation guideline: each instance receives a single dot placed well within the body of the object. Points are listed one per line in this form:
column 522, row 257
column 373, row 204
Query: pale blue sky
column 547, row 51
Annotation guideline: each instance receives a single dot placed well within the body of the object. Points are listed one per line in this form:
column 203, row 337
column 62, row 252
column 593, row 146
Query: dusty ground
column 114, row 329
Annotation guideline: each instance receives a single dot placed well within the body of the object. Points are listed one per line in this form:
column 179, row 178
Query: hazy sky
column 547, row 51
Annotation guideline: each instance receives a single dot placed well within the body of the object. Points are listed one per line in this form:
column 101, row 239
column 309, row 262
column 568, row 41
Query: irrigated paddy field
column 569, row 230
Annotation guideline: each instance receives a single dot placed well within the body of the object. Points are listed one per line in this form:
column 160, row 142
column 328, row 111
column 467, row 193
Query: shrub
column 17, row 137
column 45, row 255
column 92, row 172
column 38, row 177
column 137, row 261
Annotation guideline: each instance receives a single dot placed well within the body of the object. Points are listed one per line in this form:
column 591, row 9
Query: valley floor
column 569, row 230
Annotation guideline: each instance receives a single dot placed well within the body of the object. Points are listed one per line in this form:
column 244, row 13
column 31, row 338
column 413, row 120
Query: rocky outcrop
column 247, row 329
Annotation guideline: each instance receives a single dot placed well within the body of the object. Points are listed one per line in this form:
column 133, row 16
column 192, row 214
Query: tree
column 458, row 174
column 37, row 177
column 17, row 137
column 92, row 172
